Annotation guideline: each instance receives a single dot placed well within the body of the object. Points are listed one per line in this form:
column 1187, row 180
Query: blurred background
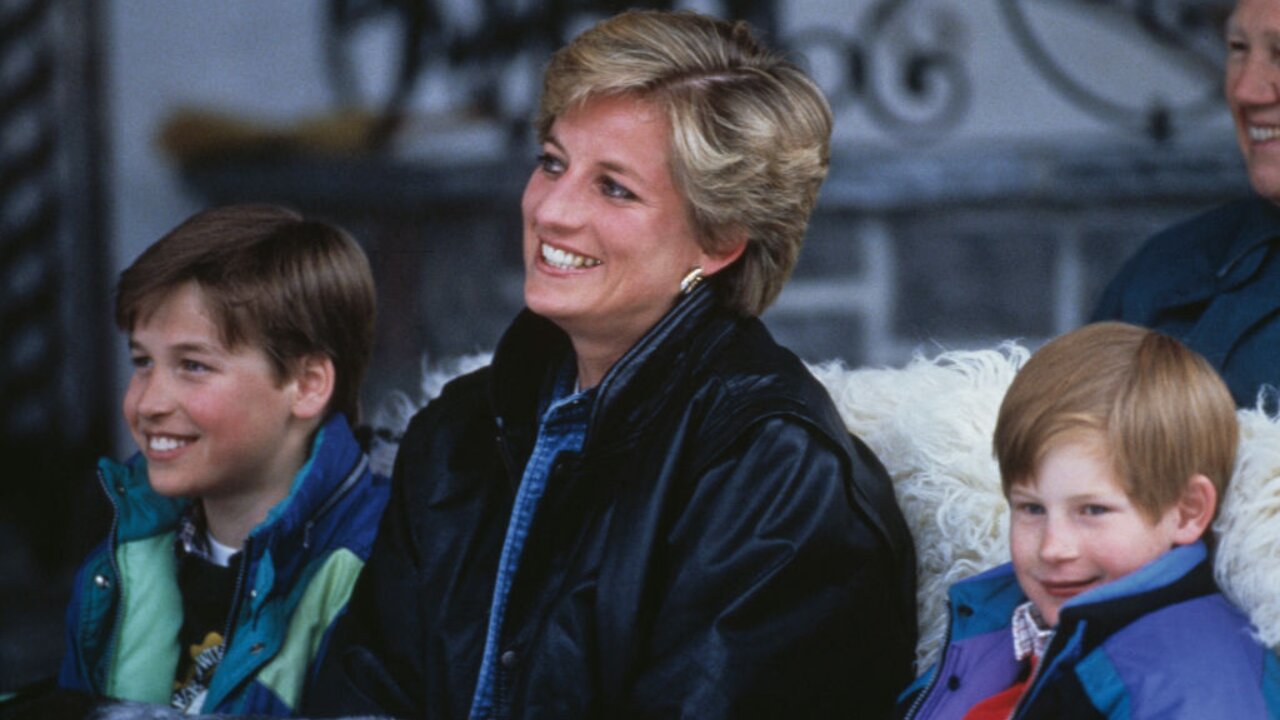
column 994, row 161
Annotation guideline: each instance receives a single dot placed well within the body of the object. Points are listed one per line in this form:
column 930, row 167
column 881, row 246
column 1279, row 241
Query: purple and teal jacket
column 1162, row 642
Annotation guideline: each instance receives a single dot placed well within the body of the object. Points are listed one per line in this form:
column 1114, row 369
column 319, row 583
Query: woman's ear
column 1195, row 510
column 314, row 377
column 735, row 241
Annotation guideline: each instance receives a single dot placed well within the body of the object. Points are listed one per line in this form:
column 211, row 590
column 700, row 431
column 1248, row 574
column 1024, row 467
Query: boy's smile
column 214, row 423
column 1074, row 527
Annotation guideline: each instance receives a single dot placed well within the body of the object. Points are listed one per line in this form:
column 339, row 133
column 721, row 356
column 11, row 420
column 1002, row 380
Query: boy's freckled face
column 1074, row 528
column 211, row 421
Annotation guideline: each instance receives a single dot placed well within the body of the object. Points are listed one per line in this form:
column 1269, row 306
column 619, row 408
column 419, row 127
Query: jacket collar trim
column 335, row 463
column 1166, row 570
column 533, row 346
column 994, row 594
column 653, row 356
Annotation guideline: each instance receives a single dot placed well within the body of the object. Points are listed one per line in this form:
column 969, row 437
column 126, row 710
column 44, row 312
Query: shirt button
column 101, row 581
column 509, row 659
column 253, row 594
column 953, row 683
column 965, row 611
column 257, row 648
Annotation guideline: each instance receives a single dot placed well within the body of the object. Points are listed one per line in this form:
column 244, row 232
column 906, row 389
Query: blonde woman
column 644, row 506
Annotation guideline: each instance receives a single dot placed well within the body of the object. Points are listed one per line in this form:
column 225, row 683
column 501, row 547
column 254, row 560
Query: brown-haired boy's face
column 1074, row 528
column 211, row 421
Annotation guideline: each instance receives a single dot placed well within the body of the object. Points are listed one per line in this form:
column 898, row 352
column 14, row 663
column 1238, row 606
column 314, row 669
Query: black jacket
column 720, row 548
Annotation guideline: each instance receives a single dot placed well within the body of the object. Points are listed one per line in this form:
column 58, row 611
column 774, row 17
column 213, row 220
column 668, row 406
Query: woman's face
column 1253, row 90
column 607, row 234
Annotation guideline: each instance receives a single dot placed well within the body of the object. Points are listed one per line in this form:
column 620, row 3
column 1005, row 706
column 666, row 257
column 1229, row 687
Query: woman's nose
column 556, row 204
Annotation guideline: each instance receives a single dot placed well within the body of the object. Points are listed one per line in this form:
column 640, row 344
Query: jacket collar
column 140, row 512
column 1182, row 574
column 630, row 391
column 991, row 596
column 1259, row 226
column 335, row 464
column 1214, row 253
column 333, row 468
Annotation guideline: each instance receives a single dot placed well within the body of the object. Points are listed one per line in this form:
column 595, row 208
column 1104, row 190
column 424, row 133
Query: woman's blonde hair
column 1163, row 413
column 750, row 131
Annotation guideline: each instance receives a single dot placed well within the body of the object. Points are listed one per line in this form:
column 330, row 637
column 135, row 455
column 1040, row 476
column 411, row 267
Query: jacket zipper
column 946, row 644
column 942, row 661
column 247, row 552
column 346, row 487
column 505, row 452
column 1031, row 684
column 229, row 628
column 113, row 546
column 1037, row 673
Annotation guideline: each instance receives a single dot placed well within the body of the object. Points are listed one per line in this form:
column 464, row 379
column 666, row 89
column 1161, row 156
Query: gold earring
column 691, row 280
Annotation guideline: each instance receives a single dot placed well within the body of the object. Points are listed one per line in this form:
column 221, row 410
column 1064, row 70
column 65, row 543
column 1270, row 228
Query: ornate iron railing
column 1190, row 28
column 904, row 65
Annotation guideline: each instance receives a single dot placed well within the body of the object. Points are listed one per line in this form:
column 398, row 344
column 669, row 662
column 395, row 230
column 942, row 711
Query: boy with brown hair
column 1115, row 446
column 242, row 523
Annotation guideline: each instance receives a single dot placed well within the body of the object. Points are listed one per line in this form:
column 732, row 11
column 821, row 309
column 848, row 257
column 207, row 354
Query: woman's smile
column 607, row 232
column 562, row 259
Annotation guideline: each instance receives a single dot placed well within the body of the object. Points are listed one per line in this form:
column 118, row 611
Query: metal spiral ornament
column 1189, row 27
column 904, row 67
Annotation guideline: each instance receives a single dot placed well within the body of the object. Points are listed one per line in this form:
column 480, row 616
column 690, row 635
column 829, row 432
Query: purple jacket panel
column 1190, row 639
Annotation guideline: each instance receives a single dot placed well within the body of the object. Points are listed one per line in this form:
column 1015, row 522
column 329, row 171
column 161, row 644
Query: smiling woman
column 607, row 235
column 644, row 506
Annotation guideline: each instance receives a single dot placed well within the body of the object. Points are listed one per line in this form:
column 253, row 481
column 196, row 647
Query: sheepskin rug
column 931, row 424
column 1248, row 526
column 391, row 418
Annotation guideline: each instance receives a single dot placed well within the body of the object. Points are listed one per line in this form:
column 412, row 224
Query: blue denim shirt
column 563, row 429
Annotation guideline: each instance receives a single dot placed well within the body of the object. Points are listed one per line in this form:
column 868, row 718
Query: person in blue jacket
column 242, row 523
column 1214, row 281
column 1115, row 445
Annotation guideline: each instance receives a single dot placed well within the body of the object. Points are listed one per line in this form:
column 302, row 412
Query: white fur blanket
column 931, row 424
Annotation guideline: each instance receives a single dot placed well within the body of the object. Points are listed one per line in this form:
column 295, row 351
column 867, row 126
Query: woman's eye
column 550, row 164
column 614, row 190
